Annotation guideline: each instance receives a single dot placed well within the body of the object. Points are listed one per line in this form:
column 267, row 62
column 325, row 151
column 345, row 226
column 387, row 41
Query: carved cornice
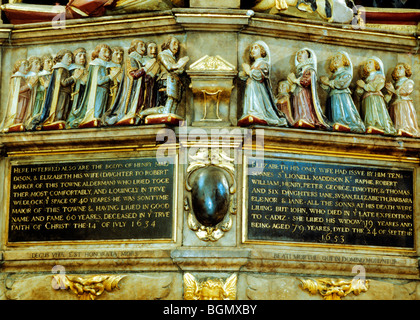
column 330, row 33
column 94, row 28
column 205, row 20
column 82, row 140
column 5, row 33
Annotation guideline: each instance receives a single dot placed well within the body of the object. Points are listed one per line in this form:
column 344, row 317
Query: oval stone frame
column 210, row 175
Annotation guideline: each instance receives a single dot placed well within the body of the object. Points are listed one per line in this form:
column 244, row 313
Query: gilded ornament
column 207, row 181
column 211, row 289
column 335, row 289
column 87, row 288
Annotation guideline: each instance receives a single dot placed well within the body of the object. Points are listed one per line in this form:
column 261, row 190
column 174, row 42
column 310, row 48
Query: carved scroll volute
column 211, row 199
column 335, row 289
column 87, row 288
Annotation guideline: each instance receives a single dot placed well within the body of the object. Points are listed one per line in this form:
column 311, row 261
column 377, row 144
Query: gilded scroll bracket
column 334, row 289
column 86, row 288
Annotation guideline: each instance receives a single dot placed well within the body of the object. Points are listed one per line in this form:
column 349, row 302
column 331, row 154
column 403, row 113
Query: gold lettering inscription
column 330, row 204
column 130, row 196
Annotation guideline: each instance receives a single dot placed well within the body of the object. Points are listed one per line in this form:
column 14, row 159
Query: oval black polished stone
column 210, row 196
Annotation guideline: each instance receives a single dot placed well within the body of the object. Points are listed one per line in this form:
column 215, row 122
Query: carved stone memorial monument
column 202, row 150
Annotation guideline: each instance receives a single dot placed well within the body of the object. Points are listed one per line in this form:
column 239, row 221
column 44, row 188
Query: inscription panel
column 328, row 203
column 92, row 200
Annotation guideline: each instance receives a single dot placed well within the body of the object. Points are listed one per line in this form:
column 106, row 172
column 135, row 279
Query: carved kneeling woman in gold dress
column 401, row 108
column 374, row 109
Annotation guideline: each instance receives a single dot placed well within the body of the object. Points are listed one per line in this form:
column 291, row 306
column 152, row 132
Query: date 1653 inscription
column 92, row 200
column 328, row 203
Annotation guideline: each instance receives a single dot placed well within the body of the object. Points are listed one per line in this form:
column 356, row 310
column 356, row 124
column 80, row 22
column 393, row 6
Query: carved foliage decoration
column 335, row 289
column 212, row 200
column 211, row 289
column 87, row 288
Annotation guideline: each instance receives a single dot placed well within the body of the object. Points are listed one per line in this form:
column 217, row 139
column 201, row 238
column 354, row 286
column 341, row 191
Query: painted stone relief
column 373, row 105
column 259, row 104
column 19, row 98
column 306, row 104
column 341, row 110
column 66, row 92
column 169, row 85
column 401, row 106
column 110, row 87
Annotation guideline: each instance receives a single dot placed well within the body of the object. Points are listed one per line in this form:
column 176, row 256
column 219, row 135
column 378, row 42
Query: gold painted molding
column 87, row 288
column 334, row 289
column 211, row 289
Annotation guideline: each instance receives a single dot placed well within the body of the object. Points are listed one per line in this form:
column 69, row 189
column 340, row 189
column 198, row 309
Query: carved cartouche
column 210, row 196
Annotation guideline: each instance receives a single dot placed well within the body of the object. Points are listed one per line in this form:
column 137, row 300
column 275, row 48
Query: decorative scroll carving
column 211, row 289
column 88, row 288
column 335, row 289
column 210, row 224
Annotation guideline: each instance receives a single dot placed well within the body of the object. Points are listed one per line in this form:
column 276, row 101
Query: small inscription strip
column 327, row 203
column 91, row 200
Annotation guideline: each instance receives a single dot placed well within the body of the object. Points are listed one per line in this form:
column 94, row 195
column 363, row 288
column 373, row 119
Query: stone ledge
column 73, row 140
column 200, row 259
column 315, row 261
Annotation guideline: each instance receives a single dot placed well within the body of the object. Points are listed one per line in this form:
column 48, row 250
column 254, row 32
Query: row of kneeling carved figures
column 49, row 93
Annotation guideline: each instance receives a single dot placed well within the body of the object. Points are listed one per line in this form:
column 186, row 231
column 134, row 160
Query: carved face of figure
column 141, row 48
column 117, row 56
column 36, row 65
column 24, row 67
column 337, row 61
column 211, row 293
column 152, row 50
column 370, row 65
column 255, row 51
column 67, row 59
column 48, row 63
column 80, row 58
column 302, row 56
column 400, row 71
column 105, row 54
column 174, row 46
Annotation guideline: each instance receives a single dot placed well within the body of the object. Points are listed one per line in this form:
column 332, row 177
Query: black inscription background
column 328, row 203
column 91, row 200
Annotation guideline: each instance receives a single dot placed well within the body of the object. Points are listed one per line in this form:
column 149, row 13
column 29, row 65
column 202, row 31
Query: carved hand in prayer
column 78, row 73
column 324, row 80
column 292, row 79
column 247, row 68
column 114, row 72
column 361, row 83
column 389, row 86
